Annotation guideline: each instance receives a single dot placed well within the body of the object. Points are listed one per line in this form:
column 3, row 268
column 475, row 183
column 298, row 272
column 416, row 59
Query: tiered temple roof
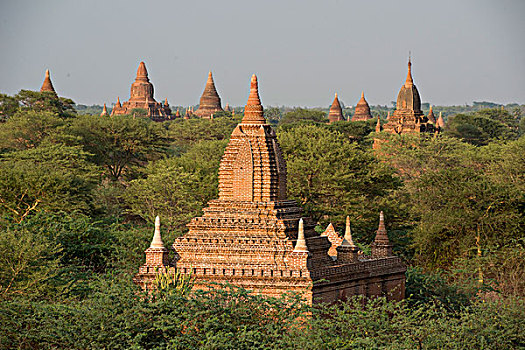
column 336, row 112
column 210, row 101
column 141, row 96
column 362, row 110
column 254, row 237
column 408, row 117
column 47, row 85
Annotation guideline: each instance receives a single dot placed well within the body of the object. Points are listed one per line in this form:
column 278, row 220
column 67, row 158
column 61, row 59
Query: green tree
column 177, row 188
column 8, row 107
column 50, row 177
column 332, row 177
column 28, row 129
column 45, row 102
column 117, row 143
column 302, row 115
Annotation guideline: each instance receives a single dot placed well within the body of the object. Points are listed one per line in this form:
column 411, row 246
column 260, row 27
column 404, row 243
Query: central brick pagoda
column 408, row 116
column 141, row 96
column 253, row 236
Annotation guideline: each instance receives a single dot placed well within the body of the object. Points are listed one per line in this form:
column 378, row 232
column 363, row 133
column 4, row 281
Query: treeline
column 78, row 195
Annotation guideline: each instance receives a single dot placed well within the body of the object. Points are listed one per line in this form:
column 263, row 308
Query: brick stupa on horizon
column 47, row 85
column 141, row 96
column 254, row 237
column 336, row 112
column 210, row 101
column 362, row 110
column 408, row 117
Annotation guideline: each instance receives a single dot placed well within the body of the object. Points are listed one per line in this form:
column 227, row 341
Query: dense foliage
column 78, row 194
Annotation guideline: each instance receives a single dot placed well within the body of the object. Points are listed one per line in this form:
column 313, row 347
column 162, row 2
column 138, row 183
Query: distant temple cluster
column 407, row 117
column 254, row 237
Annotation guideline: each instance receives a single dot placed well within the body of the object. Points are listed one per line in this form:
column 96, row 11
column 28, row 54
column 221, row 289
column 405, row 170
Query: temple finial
column 381, row 234
column 378, row 125
column 47, row 85
column 157, row 240
column 253, row 111
column 409, row 81
column 300, row 245
column 104, row 111
column 347, row 240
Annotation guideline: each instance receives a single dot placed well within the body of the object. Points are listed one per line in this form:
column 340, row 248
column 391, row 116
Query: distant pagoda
column 254, row 237
column 336, row 112
column 431, row 117
column 210, row 101
column 362, row 110
column 408, row 117
column 47, row 85
column 141, row 96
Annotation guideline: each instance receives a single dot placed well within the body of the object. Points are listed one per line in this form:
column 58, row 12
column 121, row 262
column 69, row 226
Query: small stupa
column 47, row 85
column 336, row 112
column 210, row 101
column 362, row 110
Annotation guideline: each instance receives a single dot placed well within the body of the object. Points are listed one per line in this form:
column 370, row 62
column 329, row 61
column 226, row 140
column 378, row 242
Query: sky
column 303, row 51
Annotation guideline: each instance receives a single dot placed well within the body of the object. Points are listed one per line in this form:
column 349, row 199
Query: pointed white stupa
column 156, row 242
column 347, row 240
column 300, row 246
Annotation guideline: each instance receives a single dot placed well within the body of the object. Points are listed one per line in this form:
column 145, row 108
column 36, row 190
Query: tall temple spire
column 253, row 111
column 378, row 125
column 336, row 112
column 118, row 102
column 104, row 111
column 347, row 240
column 47, row 85
column 409, row 82
column 156, row 242
column 300, row 245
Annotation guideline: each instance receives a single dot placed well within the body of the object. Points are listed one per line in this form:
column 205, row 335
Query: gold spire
column 409, row 82
column 253, row 111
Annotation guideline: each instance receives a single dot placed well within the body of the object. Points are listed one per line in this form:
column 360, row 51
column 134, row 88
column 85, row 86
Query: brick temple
column 141, row 96
column 408, row 117
column 254, row 237
column 336, row 112
column 362, row 110
column 210, row 101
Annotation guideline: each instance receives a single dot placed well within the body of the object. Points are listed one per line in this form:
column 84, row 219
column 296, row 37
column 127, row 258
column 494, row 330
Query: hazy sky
column 302, row 51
